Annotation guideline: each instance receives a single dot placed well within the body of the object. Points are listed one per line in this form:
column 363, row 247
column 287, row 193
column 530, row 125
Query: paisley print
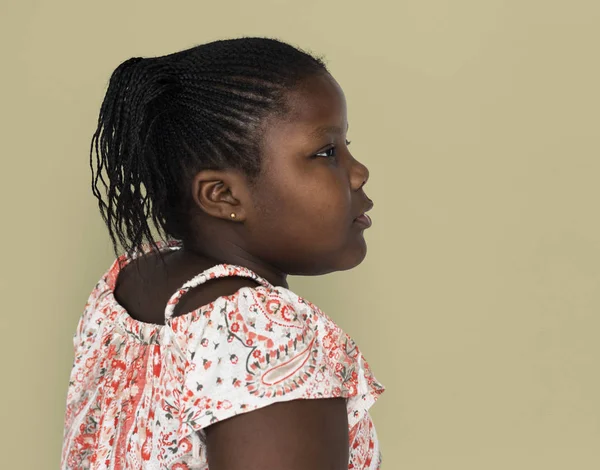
column 140, row 395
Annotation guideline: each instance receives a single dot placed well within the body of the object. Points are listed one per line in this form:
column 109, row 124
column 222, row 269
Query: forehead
column 318, row 102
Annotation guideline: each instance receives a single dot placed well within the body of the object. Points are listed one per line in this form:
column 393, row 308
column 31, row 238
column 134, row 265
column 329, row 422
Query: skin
column 297, row 218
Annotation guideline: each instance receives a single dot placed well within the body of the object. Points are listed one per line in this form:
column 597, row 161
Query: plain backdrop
column 478, row 303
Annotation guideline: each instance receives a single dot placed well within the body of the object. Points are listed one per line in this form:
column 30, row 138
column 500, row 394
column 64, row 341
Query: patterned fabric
column 140, row 395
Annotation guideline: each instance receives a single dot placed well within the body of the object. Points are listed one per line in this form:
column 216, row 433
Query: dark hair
column 165, row 118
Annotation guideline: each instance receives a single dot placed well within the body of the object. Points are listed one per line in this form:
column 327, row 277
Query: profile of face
column 305, row 205
column 304, row 214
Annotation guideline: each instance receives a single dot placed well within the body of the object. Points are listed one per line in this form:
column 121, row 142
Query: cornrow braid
column 163, row 119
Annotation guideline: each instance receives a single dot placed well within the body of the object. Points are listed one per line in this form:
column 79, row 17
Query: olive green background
column 478, row 303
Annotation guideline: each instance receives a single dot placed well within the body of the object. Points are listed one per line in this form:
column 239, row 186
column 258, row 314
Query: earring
column 232, row 215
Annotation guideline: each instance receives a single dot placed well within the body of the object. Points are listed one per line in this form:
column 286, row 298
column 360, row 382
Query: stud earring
column 233, row 215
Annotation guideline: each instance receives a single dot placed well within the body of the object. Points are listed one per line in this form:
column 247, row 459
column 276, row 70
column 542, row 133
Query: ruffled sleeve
column 261, row 346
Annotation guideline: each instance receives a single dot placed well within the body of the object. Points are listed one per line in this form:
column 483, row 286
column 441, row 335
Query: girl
column 191, row 351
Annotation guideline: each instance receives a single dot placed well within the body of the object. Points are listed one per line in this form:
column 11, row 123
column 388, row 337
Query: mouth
column 363, row 219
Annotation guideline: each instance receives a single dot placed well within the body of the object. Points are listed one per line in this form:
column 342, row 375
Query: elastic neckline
column 149, row 332
column 215, row 272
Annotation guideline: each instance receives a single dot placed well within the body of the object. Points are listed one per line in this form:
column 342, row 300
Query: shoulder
column 208, row 293
column 262, row 345
column 248, row 315
column 274, row 342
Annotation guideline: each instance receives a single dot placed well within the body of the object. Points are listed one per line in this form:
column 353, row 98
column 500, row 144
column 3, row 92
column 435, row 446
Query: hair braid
column 165, row 118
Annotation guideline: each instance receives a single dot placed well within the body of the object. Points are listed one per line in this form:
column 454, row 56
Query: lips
column 363, row 219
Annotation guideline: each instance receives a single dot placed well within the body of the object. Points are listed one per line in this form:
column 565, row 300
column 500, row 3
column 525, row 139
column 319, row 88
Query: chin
column 346, row 262
column 325, row 263
column 352, row 257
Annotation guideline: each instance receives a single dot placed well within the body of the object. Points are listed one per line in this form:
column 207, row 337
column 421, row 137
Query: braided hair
column 163, row 119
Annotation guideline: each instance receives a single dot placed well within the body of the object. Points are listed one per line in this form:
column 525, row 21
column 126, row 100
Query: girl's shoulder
column 261, row 345
column 255, row 344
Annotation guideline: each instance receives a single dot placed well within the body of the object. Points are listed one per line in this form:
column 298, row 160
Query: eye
column 330, row 149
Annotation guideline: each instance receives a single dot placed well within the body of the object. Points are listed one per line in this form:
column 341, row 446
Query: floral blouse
column 140, row 395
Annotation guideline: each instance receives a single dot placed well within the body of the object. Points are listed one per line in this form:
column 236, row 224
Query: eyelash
column 348, row 142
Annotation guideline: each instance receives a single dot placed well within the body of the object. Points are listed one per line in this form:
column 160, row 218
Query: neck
column 226, row 252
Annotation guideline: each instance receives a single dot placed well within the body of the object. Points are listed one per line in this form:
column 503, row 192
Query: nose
column 359, row 175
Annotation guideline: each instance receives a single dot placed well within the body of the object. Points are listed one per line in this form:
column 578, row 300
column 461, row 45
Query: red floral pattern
column 140, row 394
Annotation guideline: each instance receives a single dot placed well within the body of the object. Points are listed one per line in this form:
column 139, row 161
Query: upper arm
column 295, row 435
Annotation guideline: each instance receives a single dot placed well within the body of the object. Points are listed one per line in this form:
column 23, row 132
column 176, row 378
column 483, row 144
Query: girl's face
column 309, row 195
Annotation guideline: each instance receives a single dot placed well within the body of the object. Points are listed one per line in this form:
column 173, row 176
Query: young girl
column 191, row 351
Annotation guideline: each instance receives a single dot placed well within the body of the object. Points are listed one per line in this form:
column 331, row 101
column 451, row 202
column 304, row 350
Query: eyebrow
column 321, row 130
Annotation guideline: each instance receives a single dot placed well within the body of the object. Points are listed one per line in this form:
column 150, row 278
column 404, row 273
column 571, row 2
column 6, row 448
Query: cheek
column 321, row 195
column 316, row 211
column 306, row 228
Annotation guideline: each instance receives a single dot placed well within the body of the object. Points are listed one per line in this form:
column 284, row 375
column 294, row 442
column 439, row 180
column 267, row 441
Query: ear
column 219, row 193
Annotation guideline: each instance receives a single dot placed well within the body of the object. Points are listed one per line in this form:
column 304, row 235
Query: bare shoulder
column 146, row 284
column 294, row 435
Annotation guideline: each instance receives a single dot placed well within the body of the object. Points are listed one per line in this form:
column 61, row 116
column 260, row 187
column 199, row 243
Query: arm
column 294, row 435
